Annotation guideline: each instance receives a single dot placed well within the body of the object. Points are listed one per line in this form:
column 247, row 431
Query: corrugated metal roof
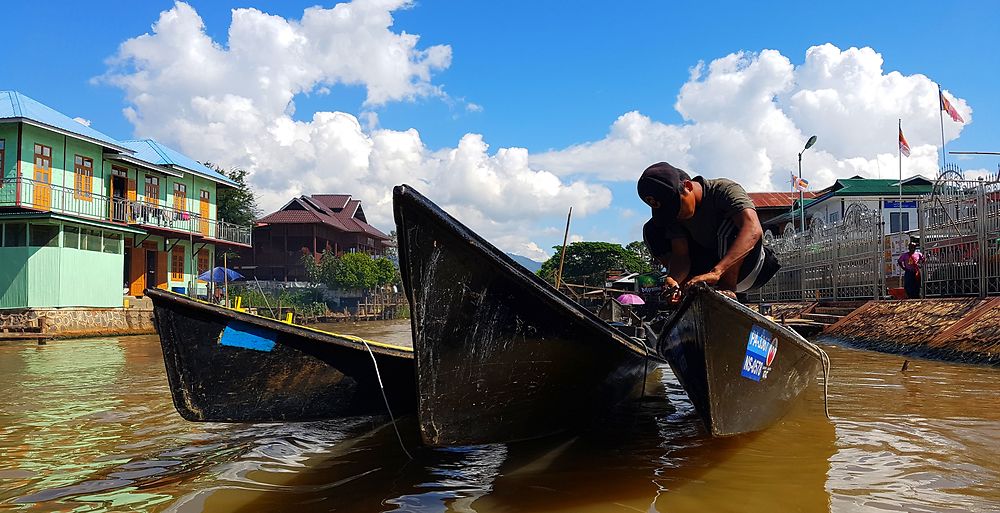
column 877, row 187
column 16, row 105
column 777, row 199
column 156, row 153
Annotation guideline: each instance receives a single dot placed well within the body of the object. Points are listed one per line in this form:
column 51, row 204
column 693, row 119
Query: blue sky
column 524, row 108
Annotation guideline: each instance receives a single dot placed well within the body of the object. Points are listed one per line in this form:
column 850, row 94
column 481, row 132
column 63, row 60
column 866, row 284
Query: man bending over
column 704, row 231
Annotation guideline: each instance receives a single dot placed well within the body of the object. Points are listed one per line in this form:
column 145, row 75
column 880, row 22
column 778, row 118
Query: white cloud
column 233, row 103
column 747, row 116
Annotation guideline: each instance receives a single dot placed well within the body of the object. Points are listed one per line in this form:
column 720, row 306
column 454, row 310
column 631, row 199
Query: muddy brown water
column 88, row 425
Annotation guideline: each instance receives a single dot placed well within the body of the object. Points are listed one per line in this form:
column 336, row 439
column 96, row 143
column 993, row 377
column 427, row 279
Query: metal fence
column 959, row 234
column 838, row 261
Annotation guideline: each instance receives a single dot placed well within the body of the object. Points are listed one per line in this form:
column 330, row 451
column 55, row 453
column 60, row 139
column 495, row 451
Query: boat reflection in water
column 651, row 455
column 655, row 455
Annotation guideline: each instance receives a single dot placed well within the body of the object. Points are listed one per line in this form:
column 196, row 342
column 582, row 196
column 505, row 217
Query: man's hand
column 671, row 290
column 710, row 278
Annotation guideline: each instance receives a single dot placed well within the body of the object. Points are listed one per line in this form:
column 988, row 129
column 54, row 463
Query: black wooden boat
column 225, row 365
column 501, row 355
column 741, row 370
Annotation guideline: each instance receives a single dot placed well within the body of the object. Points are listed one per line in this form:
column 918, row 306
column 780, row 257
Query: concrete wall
column 82, row 321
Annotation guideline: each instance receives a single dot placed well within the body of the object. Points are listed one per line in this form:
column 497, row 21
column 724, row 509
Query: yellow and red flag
column 904, row 147
column 949, row 108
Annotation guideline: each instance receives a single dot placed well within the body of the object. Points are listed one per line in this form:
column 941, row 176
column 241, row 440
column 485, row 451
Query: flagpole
column 900, row 152
column 802, row 209
column 941, row 115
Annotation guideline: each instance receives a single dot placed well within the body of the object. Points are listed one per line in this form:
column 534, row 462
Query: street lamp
column 802, row 207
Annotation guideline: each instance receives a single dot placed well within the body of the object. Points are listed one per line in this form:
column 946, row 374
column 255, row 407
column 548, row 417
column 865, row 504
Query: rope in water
column 386, row 399
column 825, row 358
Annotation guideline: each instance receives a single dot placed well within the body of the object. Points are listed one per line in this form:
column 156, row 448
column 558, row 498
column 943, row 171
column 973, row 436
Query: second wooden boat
column 225, row 365
column 741, row 370
column 500, row 354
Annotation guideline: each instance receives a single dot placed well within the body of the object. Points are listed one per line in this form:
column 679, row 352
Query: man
column 704, row 231
column 910, row 262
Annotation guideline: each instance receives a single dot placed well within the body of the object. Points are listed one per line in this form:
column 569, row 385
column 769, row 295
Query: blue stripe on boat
column 247, row 336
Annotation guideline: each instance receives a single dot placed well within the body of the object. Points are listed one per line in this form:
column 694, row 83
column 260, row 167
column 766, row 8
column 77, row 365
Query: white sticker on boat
column 761, row 350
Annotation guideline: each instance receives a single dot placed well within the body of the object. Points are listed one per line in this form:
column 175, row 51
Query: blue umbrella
column 219, row 275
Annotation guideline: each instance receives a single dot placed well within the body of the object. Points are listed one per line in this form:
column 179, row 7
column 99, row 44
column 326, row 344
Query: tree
column 643, row 261
column 385, row 272
column 355, row 271
column 237, row 205
column 321, row 270
column 587, row 262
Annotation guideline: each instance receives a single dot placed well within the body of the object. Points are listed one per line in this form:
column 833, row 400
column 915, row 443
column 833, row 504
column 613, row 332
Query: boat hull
column 741, row 370
column 501, row 355
column 229, row 366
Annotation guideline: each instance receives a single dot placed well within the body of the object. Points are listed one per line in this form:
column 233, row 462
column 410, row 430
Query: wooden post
column 562, row 256
column 225, row 277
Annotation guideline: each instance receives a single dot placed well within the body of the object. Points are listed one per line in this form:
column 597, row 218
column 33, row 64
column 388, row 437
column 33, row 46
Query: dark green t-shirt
column 721, row 198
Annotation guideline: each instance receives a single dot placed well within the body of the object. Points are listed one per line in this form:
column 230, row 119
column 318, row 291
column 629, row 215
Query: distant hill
column 532, row 265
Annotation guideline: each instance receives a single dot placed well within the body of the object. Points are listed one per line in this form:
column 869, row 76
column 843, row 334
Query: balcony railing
column 29, row 193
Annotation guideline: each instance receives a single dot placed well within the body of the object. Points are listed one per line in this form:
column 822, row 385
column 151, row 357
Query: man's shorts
column 758, row 267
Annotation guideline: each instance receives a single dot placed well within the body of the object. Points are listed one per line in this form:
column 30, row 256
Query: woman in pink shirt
column 910, row 262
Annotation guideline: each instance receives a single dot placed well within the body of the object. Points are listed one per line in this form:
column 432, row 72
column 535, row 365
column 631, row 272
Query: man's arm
column 680, row 262
column 750, row 232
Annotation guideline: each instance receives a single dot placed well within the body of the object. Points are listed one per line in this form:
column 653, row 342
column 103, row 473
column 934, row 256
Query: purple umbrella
column 630, row 299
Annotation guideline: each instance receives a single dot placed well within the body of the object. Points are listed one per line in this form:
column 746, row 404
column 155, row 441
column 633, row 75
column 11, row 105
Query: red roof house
column 308, row 225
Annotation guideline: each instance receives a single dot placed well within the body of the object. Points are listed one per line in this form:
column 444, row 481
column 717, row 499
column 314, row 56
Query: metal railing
column 959, row 234
column 29, row 193
column 838, row 261
column 960, row 237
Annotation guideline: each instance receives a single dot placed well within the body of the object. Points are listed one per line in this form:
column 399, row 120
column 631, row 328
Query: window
column 834, row 217
column 203, row 265
column 177, row 264
column 112, row 243
column 180, row 196
column 71, row 237
column 43, row 163
column 83, row 182
column 119, row 171
column 899, row 222
column 152, row 191
column 91, row 240
column 15, row 235
column 44, row 235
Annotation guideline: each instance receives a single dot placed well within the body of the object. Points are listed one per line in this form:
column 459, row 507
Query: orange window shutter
column 137, row 269
column 130, row 193
column 177, row 264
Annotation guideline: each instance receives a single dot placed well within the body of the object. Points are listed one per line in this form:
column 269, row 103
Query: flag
column 799, row 184
column 904, row 148
column 949, row 108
